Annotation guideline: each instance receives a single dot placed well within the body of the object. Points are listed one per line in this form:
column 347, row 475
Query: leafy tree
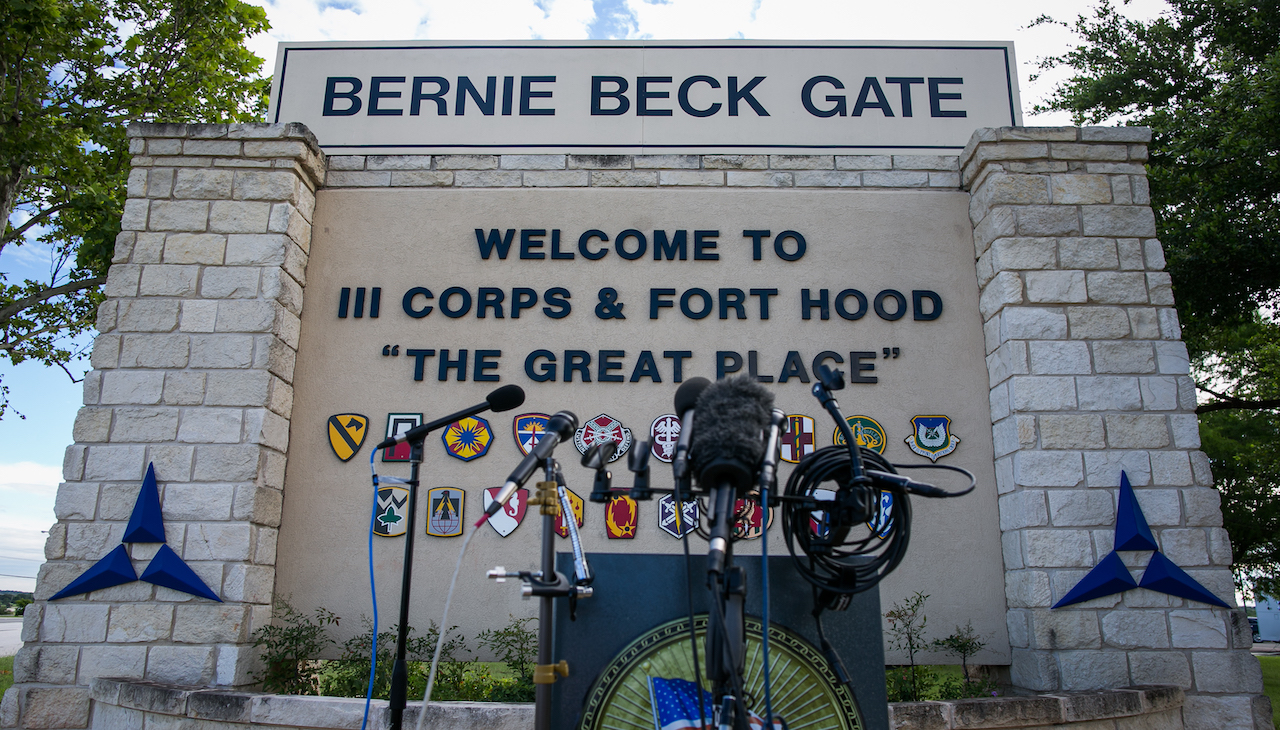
column 1205, row 76
column 73, row 73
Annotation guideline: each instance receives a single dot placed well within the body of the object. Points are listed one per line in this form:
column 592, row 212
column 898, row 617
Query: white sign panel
column 645, row 98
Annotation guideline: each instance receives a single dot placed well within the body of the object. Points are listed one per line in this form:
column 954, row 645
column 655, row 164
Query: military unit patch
column 444, row 511
column 667, row 514
column 600, row 429
column 798, row 441
column 818, row 518
column 576, row 502
column 883, row 520
column 932, row 437
column 621, row 517
column 391, row 518
column 749, row 524
column 507, row 519
column 663, row 434
column 528, row 428
column 868, row 432
column 397, row 425
column 467, row 439
column 346, row 434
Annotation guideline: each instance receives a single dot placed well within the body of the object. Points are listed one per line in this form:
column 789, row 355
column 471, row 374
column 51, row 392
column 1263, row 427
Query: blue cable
column 764, row 574
column 373, row 593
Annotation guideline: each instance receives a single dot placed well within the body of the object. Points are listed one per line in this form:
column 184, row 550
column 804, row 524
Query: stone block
column 1109, row 393
column 1057, row 548
column 275, row 185
column 623, row 179
column 148, row 316
column 198, row 316
column 1081, row 508
column 194, row 248
column 76, row 501
column 1008, row 712
column 676, row 162
column 276, row 148
column 211, row 147
column 249, row 583
column 154, row 351
column 1171, row 468
column 1057, row 287
column 827, row 179
column 227, row 216
column 218, row 463
column 266, row 249
column 1202, row 506
column 1059, row 358
column 189, row 665
column 1137, row 431
column 1042, row 393
column 1034, row 670
column 296, row 710
column 764, row 179
column 1000, row 222
column 220, row 705
column 345, row 162
column 221, row 351
column 1144, row 324
column 113, row 462
column 205, row 624
column 202, row 184
column 944, row 180
column 1121, row 190
column 1007, row 360
column 74, row 623
column 218, row 541
column 926, row 162
column 1080, row 189
column 230, row 282
column 422, row 179
column 919, row 715
column 1098, row 323
column 1141, row 190
column 1206, row 712
column 1203, row 629
column 1130, row 251
column 1088, row 253
column 864, row 162
column 260, row 505
column 254, row 316
column 1226, row 671
column 237, row 388
column 1159, row 667
column 1116, row 134
column 55, row 707
column 1076, row 151
column 1172, row 358
column 1005, row 189
column 204, row 502
column 691, row 178
column 134, row 217
column 1047, row 220
column 487, row 179
column 1024, row 508
column 1185, row 547
column 1102, row 468
column 122, row 280
column 464, row 162
column 1135, row 629
column 179, row 215
column 556, row 179
column 532, row 162
column 210, row 426
column 105, row 660
column 600, row 162
column 168, row 281
column 1117, row 287
column 1124, row 357
column 112, row 717
column 1033, row 323
column 1023, row 253
column 147, row 425
column 1004, row 289
column 895, row 179
column 1088, row 670
column 1091, row 708
column 140, row 623
column 1118, row 220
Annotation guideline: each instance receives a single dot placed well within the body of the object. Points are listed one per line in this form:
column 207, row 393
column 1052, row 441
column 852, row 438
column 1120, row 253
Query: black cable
column 688, row 575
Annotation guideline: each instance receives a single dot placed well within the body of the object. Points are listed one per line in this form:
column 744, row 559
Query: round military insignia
column 528, row 428
column 467, row 439
column 346, row 434
column 932, row 437
column 798, row 442
column 866, row 430
column 749, row 522
column 667, row 516
column 507, row 519
column 621, row 516
column 664, row 433
column 444, row 511
column 390, row 520
column 574, row 501
column 600, row 429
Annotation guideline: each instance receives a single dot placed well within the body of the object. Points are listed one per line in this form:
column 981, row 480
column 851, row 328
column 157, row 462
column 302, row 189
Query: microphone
column 502, row 399
column 686, row 401
column 769, row 467
column 559, row 427
column 732, row 417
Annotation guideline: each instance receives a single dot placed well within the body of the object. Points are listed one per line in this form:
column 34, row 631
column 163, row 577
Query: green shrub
column 290, row 649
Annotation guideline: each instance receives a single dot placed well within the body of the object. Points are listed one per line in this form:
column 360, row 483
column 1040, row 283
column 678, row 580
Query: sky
column 32, row 449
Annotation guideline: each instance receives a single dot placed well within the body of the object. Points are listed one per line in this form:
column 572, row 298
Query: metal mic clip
column 597, row 458
column 638, row 464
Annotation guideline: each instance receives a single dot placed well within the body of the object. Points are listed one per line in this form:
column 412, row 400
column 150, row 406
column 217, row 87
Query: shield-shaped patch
column 664, row 433
column 932, row 437
column 576, row 502
column 621, row 517
column 507, row 519
column 528, row 428
column 883, row 520
column 667, row 516
column 749, row 524
column 600, row 429
column 444, row 515
column 467, row 439
column 798, row 441
column 346, row 434
column 397, row 425
column 390, row 521
column 868, row 432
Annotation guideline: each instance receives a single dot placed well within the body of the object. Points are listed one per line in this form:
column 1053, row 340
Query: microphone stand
column 400, row 670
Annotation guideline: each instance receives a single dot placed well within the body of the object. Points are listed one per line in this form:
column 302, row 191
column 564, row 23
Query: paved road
column 10, row 629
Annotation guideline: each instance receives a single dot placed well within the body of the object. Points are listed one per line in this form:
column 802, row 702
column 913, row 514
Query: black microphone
column 686, row 401
column 559, row 428
column 732, row 417
column 502, row 399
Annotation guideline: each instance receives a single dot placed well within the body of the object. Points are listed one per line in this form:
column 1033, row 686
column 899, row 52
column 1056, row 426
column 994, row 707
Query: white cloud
column 27, row 491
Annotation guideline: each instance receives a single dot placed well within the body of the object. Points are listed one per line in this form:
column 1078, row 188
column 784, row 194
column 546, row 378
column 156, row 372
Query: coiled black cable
column 839, row 558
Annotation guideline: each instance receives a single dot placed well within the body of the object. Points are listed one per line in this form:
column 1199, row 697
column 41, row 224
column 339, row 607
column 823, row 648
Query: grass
column 1270, row 684
column 6, row 673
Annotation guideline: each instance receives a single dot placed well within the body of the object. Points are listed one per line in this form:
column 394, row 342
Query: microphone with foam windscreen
column 732, row 416
column 559, row 428
column 686, row 403
column 502, row 399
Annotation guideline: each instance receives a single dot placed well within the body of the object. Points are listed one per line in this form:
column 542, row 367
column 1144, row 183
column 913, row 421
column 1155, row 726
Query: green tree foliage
column 1205, row 76
column 73, row 73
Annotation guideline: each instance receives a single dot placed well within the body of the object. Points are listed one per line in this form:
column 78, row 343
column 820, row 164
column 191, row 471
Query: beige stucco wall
column 399, row 239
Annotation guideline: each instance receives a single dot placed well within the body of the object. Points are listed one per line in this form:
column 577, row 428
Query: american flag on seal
column 675, row 707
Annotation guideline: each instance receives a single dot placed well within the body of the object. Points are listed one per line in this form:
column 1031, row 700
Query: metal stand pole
column 546, row 610
column 400, row 670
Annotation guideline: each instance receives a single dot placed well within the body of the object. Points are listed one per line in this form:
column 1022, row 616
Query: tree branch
column 1237, row 404
column 8, row 312
column 34, row 221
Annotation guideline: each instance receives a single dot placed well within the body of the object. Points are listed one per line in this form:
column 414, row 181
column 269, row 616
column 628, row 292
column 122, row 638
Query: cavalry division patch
column 667, row 516
column 798, row 441
column 467, row 439
column 868, row 432
column 507, row 519
column 663, row 434
column 621, row 515
column 346, row 434
column 600, row 429
column 932, row 437
column 444, row 511
column 574, row 501
column 397, row 425
column 391, row 518
column 528, row 428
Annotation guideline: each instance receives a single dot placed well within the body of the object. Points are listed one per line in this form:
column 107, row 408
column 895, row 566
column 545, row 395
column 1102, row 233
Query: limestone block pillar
column 192, row 371
column 1089, row 377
